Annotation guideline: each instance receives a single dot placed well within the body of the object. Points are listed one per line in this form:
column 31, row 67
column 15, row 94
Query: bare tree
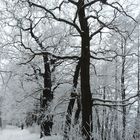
column 86, row 21
column 80, row 23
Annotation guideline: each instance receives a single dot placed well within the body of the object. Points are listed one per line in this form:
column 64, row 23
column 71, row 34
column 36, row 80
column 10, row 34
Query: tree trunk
column 68, row 117
column 0, row 120
column 77, row 113
column 136, row 134
column 138, row 109
column 1, row 112
column 116, row 133
column 103, row 131
column 86, row 97
column 123, row 92
column 47, row 97
column 71, row 103
column 47, row 119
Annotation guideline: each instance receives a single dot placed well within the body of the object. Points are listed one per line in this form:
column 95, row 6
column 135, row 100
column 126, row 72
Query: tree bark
column 86, row 97
column 47, row 97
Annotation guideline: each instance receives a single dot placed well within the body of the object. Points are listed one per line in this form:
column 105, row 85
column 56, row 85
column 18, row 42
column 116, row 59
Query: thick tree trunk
column 86, row 98
column 47, row 119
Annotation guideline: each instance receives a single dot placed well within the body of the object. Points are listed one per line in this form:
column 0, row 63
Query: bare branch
column 96, row 32
column 73, row 2
column 90, row 3
column 102, row 58
column 114, row 105
column 24, row 63
column 120, row 10
column 58, row 57
column 52, row 14
column 114, row 101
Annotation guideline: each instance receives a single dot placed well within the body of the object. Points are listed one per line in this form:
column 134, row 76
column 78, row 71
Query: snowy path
column 13, row 133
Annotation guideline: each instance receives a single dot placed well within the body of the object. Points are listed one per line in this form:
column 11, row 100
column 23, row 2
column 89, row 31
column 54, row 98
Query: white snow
column 14, row 133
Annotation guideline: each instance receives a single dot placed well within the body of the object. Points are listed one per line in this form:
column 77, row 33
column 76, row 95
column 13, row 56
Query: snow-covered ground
column 14, row 133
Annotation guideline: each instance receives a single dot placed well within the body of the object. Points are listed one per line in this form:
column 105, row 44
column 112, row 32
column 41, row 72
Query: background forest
column 72, row 67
